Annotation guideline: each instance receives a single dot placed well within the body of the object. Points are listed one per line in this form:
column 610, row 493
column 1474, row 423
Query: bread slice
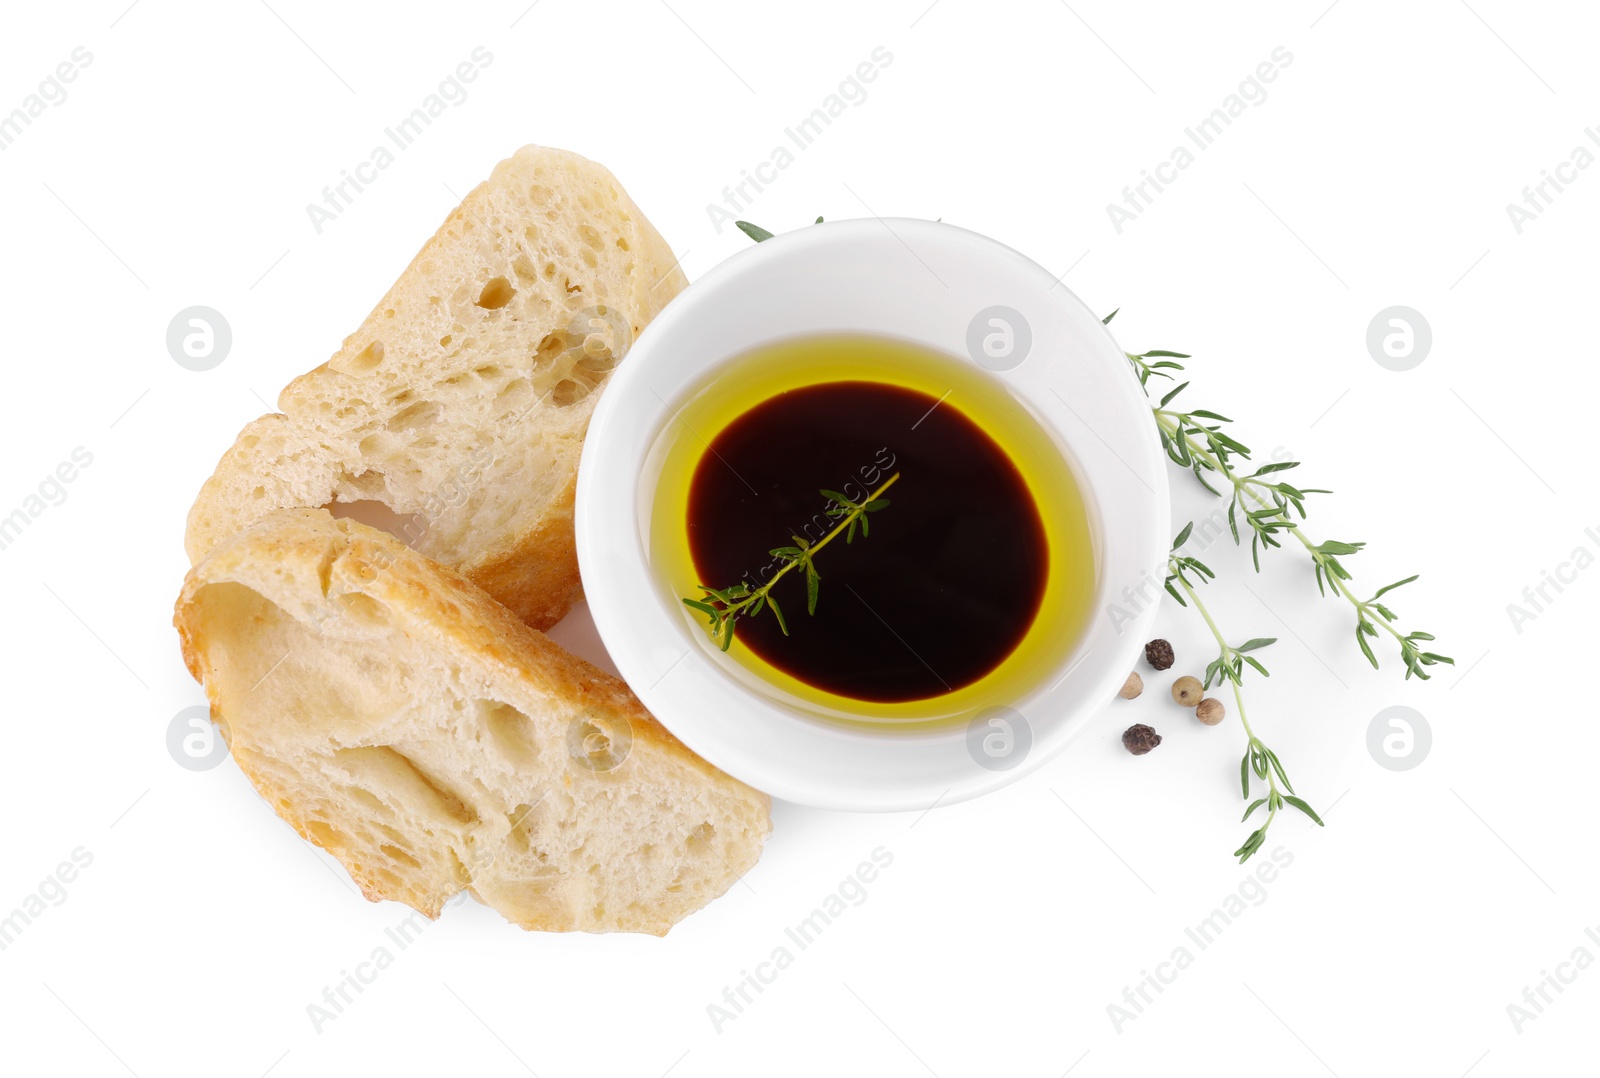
column 401, row 719
column 461, row 403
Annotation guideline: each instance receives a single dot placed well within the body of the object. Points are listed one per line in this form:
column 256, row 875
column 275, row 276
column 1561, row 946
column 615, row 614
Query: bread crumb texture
column 398, row 717
column 459, row 407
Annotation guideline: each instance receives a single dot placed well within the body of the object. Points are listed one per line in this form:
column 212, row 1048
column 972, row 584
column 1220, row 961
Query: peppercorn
column 1188, row 690
column 1132, row 687
column 1158, row 653
column 1140, row 739
column 1211, row 711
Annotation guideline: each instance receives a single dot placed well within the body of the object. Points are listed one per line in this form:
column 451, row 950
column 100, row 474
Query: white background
column 1376, row 172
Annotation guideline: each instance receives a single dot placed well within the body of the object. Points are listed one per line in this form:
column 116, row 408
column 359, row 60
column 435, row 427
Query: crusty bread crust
column 397, row 716
column 538, row 577
column 462, row 401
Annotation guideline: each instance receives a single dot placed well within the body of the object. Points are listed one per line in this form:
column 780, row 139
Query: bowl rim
column 791, row 755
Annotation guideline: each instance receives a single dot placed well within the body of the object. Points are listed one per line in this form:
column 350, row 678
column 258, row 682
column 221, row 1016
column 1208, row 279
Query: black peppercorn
column 1140, row 739
column 1158, row 653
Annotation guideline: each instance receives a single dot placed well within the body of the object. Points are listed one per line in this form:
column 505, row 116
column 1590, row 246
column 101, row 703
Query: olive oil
column 969, row 589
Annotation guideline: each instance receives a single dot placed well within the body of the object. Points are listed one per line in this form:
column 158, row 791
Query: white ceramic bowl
column 929, row 284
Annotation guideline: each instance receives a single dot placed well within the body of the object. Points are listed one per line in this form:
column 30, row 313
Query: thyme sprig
column 724, row 606
column 1269, row 507
column 757, row 233
column 1197, row 440
column 1228, row 667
